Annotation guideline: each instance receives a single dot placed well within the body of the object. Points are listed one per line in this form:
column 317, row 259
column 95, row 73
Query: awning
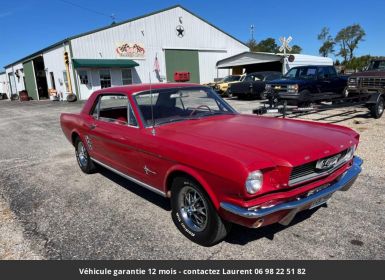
column 103, row 63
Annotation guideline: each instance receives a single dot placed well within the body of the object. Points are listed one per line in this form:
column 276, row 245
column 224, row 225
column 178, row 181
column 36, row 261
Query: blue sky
column 29, row 25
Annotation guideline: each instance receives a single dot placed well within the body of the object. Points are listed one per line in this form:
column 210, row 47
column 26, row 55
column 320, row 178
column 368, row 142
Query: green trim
column 117, row 24
column 103, row 63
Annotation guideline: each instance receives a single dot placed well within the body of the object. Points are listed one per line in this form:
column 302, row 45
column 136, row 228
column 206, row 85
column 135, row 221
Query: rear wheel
column 376, row 110
column 84, row 160
column 263, row 95
column 194, row 214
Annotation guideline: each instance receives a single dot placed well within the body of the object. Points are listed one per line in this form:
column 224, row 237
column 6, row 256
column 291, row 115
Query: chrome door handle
column 92, row 126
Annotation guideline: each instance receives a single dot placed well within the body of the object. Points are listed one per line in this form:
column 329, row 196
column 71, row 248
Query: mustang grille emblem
column 327, row 163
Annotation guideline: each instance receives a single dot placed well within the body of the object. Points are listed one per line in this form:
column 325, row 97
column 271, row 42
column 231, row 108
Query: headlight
column 268, row 86
column 350, row 153
column 352, row 80
column 292, row 88
column 254, row 182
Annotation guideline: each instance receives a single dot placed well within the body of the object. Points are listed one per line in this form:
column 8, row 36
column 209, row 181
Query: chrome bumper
column 344, row 183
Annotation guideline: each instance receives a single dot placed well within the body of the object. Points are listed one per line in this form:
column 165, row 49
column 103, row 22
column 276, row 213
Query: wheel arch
column 180, row 170
column 74, row 134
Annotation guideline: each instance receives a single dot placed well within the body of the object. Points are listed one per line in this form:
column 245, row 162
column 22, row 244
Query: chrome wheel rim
column 380, row 107
column 82, row 155
column 193, row 209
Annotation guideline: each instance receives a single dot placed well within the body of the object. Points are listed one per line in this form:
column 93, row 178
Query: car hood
column 372, row 73
column 281, row 141
column 284, row 81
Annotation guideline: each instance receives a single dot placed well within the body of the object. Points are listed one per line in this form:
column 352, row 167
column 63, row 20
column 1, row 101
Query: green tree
column 349, row 38
column 252, row 44
column 327, row 42
column 267, row 45
column 296, row 49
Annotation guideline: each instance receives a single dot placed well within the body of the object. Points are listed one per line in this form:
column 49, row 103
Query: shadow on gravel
column 241, row 235
column 136, row 189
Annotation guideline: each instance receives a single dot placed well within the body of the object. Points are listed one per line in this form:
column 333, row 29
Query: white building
column 4, row 84
column 168, row 41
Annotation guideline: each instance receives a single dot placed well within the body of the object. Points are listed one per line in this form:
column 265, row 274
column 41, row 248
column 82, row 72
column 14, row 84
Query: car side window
column 332, row 72
column 112, row 108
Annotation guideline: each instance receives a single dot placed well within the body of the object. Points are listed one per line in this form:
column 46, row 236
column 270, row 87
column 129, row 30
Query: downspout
column 68, row 72
column 77, row 92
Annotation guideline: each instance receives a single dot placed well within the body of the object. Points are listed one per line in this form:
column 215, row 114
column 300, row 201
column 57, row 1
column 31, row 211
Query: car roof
column 132, row 89
column 264, row 72
column 305, row 66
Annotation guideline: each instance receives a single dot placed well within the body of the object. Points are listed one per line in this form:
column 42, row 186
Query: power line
column 112, row 16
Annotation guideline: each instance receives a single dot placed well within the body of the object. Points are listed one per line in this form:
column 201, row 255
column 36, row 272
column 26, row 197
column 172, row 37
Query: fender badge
column 148, row 171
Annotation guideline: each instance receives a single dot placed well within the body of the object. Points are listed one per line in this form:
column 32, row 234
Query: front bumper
column 293, row 207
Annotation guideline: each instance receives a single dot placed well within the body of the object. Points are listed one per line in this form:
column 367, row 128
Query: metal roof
column 249, row 58
column 112, row 26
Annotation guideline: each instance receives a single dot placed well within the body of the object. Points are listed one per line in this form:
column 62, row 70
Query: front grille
column 309, row 171
column 279, row 88
column 372, row 82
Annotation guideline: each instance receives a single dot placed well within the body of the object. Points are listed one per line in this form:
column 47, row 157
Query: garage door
column 182, row 61
column 30, row 81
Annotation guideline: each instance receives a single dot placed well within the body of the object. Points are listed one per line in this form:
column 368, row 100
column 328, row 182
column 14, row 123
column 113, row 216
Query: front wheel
column 194, row 214
column 376, row 110
column 84, row 160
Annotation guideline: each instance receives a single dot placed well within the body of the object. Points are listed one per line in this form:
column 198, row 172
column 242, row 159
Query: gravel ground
column 50, row 209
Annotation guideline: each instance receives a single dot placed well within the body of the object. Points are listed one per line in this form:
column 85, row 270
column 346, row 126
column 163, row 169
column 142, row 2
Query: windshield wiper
column 212, row 113
column 176, row 120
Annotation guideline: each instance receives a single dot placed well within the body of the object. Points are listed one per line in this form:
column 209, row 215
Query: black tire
column 83, row 158
column 72, row 98
column 207, row 233
column 263, row 95
column 376, row 110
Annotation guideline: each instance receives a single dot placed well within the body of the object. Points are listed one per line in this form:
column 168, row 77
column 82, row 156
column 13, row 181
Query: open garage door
column 182, row 61
column 30, row 81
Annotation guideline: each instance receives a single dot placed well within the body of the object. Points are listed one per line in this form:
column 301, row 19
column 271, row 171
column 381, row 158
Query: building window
column 126, row 77
column 83, row 77
column 66, row 81
column 52, row 77
column 105, row 78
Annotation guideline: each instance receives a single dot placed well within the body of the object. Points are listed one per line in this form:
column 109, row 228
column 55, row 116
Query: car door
column 114, row 134
column 337, row 85
column 324, row 83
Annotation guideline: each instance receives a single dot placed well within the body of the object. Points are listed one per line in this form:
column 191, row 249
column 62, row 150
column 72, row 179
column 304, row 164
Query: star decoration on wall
column 180, row 31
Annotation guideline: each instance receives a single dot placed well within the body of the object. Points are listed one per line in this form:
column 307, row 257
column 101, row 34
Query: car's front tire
column 376, row 110
column 194, row 214
column 83, row 158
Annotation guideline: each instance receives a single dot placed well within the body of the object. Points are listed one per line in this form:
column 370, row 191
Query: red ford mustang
column 217, row 166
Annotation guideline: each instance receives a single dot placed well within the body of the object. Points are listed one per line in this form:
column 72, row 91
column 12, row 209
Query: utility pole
column 252, row 31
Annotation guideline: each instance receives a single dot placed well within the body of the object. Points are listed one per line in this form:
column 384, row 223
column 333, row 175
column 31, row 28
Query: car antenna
column 152, row 107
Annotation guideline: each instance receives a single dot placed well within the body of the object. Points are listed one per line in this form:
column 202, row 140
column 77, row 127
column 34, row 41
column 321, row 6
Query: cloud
column 3, row 15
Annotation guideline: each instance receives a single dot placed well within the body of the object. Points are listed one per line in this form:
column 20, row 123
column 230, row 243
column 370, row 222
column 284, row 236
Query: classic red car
column 217, row 166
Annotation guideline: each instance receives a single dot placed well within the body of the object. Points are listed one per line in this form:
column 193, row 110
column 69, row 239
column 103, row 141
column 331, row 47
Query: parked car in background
column 307, row 84
column 222, row 86
column 371, row 81
column 218, row 167
column 253, row 85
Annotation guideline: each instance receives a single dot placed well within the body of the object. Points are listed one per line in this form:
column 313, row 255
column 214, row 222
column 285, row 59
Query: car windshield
column 253, row 77
column 302, row 73
column 377, row 65
column 180, row 104
column 230, row 79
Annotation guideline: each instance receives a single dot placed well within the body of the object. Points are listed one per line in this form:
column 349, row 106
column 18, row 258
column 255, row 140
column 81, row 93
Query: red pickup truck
column 217, row 166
